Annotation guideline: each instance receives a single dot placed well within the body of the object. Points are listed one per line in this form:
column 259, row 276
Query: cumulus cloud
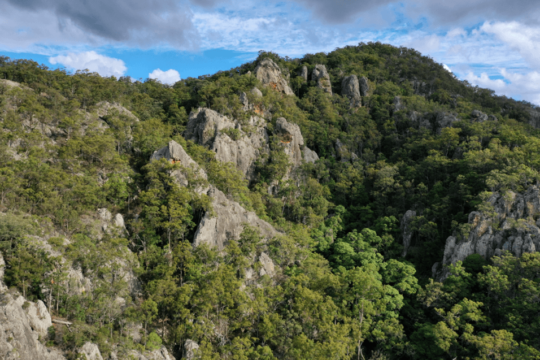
column 165, row 77
column 103, row 65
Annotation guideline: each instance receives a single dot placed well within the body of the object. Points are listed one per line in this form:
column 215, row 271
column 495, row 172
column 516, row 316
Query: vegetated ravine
column 360, row 204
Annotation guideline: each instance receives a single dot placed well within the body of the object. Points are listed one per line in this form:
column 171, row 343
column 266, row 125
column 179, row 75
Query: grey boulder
column 269, row 74
column 350, row 88
column 321, row 77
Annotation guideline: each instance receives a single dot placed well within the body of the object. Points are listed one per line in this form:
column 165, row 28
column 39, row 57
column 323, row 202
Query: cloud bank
column 90, row 60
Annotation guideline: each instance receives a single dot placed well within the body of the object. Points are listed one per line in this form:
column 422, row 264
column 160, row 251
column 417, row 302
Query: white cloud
column 525, row 86
column 447, row 68
column 103, row 65
column 165, row 77
column 520, row 37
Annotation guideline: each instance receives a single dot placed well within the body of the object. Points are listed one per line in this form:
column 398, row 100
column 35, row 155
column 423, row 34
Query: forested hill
column 360, row 204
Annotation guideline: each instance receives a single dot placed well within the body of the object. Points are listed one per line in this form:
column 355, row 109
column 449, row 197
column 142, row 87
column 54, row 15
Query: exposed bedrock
column 512, row 225
column 321, row 77
column 269, row 74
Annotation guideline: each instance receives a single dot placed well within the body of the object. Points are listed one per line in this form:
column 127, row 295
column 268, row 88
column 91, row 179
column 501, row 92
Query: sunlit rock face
column 269, row 74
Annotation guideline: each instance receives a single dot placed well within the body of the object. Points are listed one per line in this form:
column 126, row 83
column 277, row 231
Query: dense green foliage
column 342, row 288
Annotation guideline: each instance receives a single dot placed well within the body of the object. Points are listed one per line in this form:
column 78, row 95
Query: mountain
column 362, row 204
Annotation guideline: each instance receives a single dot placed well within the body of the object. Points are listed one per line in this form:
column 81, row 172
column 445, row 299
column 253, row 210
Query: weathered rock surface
column 304, row 73
column 310, row 155
column 17, row 339
column 268, row 267
column 38, row 317
column 190, row 347
column 291, row 139
column 478, row 116
column 159, row 354
column 350, row 87
column 227, row 218
column 321, row 77
column 91, row 351
column 512, row 228
column 105, row 109
column 364, row 86
column 226, row 222
column 406, row 230
column 269, row 74
column 175, row 153
column 398, row 104
column 257, row 92
column 243, row 151
column 204, row 124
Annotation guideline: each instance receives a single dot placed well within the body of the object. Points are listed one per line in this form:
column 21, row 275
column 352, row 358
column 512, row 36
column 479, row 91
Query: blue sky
column 490, row 43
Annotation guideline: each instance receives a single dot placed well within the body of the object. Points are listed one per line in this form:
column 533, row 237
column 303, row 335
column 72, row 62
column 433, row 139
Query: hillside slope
column 359, row 204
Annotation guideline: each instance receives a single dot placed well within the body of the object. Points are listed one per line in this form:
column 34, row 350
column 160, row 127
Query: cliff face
column 228, row 140
column 512, row 225
column 22, row 325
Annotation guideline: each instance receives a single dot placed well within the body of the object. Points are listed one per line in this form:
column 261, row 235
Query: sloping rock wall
column 512, row 226
column 17, row 339
column 208, row 128
column 226, row 219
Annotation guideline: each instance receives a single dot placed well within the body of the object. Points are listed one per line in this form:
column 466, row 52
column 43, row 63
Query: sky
column 490, row 43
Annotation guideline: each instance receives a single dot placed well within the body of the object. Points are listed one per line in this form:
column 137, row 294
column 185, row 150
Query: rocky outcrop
column 304, row 73
column 310, row 156
column 38, row 317
column 190, row 349
column 91, row 351
column 175, row 153
column 478, row 116
column 228, row 140
column 105, row 109
column 321, row 77
column 256, row 92
column 510, row 227
column 227, row 218
column 432, row 121
column 17, row 338
column 364, row 86
column 110, row 224
column 159, row 354
column 204, row 124
column 291, row 140
column 269, row 74
column 226, row 222
column 406, row 230
column 268, row 267
column 350, row 88
column 398, row 104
